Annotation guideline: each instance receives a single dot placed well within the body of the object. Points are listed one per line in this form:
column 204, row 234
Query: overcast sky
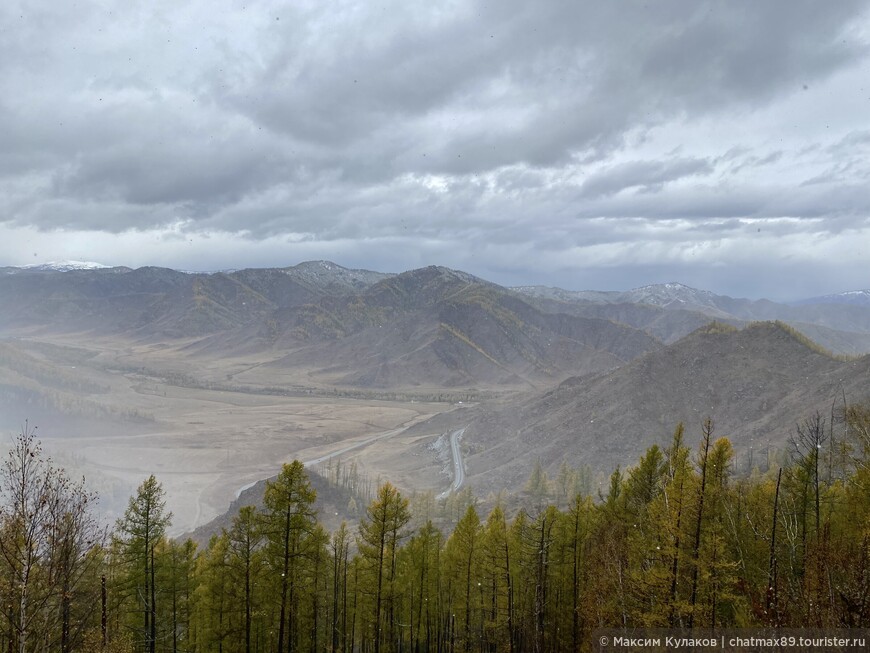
column 601, row 144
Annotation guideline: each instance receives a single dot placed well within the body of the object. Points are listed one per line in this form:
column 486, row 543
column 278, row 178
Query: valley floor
column 206, row 443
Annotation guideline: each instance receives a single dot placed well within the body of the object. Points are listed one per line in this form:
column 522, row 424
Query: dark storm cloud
column 506, row 83
column 483, row 128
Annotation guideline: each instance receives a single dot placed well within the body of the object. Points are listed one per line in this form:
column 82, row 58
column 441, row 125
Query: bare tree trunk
column 771, row 601
column 696, row 549
column 152, row 645
column 284, row 573
column 336, row 570
column 344, row 604
column 510, row 594
column 675, row 563
column 103, row 614
column 575, row 582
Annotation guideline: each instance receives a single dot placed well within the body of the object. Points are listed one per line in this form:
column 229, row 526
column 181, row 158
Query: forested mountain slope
column 755, row 383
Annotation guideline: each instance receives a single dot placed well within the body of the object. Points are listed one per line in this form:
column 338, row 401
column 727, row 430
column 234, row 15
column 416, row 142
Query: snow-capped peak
column 65, row 266
column 855, row 297
column 326, row 273
column 664, row 294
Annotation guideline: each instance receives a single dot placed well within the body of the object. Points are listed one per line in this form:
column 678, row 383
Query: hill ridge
column 751, row 381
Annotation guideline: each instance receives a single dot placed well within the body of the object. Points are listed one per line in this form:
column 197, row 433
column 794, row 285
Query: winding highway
column 455, row 452
column 351, row 447
column 458, row 468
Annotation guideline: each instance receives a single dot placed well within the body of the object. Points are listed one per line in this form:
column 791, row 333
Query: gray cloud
column 643, row 175
column 478, row 131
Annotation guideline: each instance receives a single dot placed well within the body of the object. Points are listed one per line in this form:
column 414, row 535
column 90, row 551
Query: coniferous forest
column 678, row 540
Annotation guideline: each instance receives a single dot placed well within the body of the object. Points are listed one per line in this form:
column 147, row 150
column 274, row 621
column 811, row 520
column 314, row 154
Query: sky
column 571, row 143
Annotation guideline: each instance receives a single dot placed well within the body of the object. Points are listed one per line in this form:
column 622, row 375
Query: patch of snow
column 325, row 273
column 65, row 266
column 854, row 297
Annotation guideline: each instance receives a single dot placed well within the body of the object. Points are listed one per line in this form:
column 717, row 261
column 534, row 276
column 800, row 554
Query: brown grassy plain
column 158, row 410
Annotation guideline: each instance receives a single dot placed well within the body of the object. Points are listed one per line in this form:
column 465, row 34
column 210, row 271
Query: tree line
column 678, row 540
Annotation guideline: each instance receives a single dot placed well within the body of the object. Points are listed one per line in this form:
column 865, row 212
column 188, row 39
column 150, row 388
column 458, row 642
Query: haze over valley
column 211, row 381
column 468, row 326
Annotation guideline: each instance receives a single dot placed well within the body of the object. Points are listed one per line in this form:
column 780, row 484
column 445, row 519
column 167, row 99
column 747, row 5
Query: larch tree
column 244, row 564
column 140, row 532
column 339, row 546
column 497, row 574
column 216, row 613
column 289, row 522
column 701, row 494
column 379, row 535
column 418, row 564
column 462, row 553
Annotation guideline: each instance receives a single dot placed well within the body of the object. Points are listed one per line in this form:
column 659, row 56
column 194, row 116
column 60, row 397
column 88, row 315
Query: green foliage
column 804, row 340
column 716, row 328
column 538, row 485
column 139, row 536
column 292, row 541
column 677, row 541
column 380, row 534
column 50, row 548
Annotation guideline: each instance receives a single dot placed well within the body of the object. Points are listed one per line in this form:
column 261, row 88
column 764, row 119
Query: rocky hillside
column 755, row 383
column 157, row 302
column 438, row 327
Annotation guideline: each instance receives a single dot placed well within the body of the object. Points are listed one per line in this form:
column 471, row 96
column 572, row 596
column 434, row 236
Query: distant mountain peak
column 854, row 297
column 670, row 285
column 448, row 273
column 321, row 273
column 672, row 289
column 314, row 265
column 65, row 266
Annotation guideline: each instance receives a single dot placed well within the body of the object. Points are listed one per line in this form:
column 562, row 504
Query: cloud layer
column 572, row 143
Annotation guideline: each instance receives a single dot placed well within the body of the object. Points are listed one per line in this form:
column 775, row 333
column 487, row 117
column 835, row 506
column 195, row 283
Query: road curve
column 458, row 468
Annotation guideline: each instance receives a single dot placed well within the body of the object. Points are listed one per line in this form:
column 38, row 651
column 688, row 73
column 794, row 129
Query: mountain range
column 584, row 376
column 75, row 295
column 431, row 327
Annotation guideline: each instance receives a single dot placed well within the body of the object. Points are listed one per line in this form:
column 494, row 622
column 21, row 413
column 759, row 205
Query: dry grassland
column 205, row 443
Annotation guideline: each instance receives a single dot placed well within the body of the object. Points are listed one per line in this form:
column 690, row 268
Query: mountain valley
column 211, row 381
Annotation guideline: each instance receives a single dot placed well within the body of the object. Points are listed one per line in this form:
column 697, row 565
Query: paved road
column 356, row 445
column 458, row 468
